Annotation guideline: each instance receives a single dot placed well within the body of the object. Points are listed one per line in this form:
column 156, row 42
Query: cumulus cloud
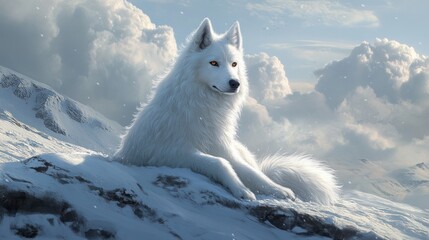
column 104, row 53
column 258, row 130
column 315, row 12
column 267, row 77
column 373, row 104
column 369, row 115
column 301, row 122
column 380, row 96
column 416, row 88
column 284, row 121
column 391, row 69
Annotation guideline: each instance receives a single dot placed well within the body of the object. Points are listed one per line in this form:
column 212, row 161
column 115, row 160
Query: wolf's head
column 220, row 59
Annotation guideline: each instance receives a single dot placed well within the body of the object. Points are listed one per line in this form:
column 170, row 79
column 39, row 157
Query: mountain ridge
column 29, row 100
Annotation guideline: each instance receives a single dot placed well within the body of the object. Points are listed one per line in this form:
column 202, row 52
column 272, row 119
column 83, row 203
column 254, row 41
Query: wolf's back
column 309, row 179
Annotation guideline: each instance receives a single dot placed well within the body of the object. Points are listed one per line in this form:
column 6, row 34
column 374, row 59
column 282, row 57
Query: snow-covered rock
column 76, row 196
column 39, row 106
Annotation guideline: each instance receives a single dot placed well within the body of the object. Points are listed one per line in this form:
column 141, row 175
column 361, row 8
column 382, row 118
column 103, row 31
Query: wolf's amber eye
column 214, row 63
column 234, row 64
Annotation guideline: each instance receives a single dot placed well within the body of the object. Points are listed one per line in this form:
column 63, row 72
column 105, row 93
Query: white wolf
column 191, row 120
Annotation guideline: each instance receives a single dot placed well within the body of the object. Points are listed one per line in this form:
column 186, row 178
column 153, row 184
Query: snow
column 19, row 141
column 165, row 203
column 171, row 215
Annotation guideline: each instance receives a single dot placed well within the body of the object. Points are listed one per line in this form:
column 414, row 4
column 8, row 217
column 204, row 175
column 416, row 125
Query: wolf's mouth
column 230, row 92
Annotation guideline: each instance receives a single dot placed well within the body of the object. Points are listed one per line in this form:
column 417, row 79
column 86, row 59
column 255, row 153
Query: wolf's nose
column 234, row 84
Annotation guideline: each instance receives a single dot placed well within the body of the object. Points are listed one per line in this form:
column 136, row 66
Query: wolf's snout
column 234, row 84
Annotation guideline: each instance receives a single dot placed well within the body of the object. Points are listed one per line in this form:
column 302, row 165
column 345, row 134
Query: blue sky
column 304, row 35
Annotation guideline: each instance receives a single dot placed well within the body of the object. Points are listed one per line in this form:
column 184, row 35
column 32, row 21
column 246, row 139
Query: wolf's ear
column 203, row 36
column 234, row 36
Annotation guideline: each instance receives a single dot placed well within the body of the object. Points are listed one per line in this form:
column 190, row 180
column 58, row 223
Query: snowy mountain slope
column 366, row 175
column 416, row 180
column 19, row 141
column 407, row 184
column 39, row 106
column 414, row 176
column 75, row 196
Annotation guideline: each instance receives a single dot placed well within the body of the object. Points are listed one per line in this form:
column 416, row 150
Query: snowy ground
column 78, row 194
column 84, row 195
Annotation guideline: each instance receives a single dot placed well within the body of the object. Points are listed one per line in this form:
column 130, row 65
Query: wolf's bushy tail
column 309, row 179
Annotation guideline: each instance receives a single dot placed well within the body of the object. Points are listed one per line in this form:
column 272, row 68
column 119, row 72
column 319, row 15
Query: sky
column 339, row 80
column 304, row 35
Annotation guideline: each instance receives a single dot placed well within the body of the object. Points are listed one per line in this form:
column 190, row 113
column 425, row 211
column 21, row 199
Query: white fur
column 191, row 122
column 309, row 179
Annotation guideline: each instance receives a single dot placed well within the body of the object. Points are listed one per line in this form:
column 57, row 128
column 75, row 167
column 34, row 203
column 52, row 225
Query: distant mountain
column 413, row 177
column 407, row 184
column 37, row 105
column 416, row 180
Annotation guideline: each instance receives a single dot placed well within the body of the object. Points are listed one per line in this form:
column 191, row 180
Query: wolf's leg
column 219, row 170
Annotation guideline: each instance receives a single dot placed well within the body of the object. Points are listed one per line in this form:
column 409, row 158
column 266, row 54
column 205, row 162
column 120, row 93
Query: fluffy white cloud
column 267, row 77
column 416, row 88
column 391, row 69
column 258, row 130
column 373, row 104
column 365, row 121
column 381, row 99
column 104, row 53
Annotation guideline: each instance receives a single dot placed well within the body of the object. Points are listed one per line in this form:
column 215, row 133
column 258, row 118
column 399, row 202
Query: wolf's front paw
column 284, row 193
column 243, row 193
